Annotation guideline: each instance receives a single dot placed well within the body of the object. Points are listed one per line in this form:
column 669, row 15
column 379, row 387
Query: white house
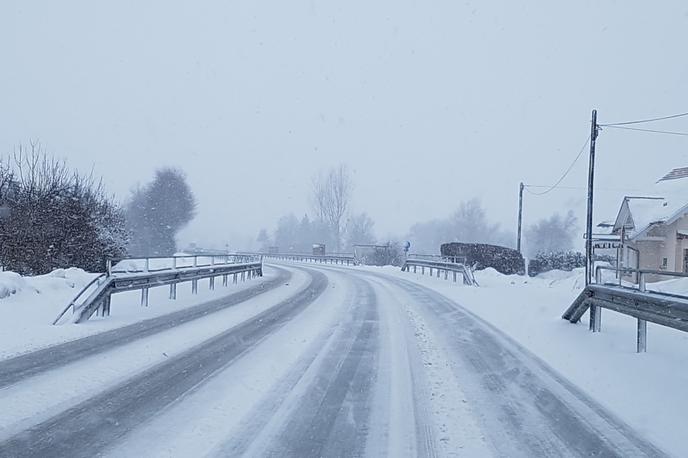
column 654, row 228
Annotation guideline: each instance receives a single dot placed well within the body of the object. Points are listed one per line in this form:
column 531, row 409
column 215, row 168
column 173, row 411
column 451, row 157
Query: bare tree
column 331, row 199
column 550, row 235
column 359, row 230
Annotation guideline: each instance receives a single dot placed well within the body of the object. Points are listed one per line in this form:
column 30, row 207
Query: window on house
column 665, row 264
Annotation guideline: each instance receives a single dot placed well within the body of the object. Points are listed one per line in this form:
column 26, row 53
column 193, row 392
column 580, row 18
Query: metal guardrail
column 160, row 263
column 99, row 291
column 343, row 259
column 438, row 257
column 439, row 267
column 665, row 309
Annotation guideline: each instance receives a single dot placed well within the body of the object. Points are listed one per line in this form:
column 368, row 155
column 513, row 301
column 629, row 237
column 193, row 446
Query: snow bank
column 28, row 306
column 17, row 289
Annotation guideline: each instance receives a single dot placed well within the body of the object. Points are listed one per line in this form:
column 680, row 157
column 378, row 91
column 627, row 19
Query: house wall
column 652, row 252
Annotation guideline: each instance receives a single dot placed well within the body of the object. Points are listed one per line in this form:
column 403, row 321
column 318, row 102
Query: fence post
column 108, row 266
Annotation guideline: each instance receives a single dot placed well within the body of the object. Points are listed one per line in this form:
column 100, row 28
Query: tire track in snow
column 86, row 429
column 526, row 409
column 331, row 417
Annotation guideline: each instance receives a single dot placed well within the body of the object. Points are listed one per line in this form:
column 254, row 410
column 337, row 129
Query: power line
column 683, row 134
column 641, row 121
column 554, row 186
column 581, row 187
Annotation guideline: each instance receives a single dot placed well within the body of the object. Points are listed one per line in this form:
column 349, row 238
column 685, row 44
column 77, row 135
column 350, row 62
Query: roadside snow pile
column 60, row 281
column 561, row 279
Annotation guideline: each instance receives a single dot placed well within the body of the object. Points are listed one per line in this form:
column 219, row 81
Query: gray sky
column 429, row 102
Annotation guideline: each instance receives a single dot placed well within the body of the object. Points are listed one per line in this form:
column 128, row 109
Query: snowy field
column 28, row 306
column 646, row 390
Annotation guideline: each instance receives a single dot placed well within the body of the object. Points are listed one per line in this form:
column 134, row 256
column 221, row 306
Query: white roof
column 665, row 203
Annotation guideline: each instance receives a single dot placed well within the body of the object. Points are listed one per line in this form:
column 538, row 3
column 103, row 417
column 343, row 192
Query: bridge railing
column 662, row 308
column 441, row 267
column 145, row 273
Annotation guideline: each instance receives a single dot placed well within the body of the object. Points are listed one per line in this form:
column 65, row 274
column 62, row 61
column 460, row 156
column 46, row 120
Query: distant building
column 653, row 228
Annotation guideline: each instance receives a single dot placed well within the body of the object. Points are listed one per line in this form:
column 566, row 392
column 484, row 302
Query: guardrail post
column 641, row 283
column 454, row 272
column 224, row 280
column 595, row 318
column 173, row 291
column 144, row 297
column 446, row 274
column 642, row 336
column 174, row 262
column 194, row 286
column 243, row 276
column 211, row 283
column 108, row 267
column 414, row 269
column 234, row 279
column 422, row 270
column 147, row 268
column 107, row 301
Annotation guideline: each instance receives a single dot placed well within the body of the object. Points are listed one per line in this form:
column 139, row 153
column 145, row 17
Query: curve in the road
column 86, row 429
column 13, row 370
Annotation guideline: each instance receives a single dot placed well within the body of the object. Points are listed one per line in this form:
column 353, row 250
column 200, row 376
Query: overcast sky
column 428, row 102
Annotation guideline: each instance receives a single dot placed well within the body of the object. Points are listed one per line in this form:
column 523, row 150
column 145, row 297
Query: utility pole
column 520, row 216
column 594, row 129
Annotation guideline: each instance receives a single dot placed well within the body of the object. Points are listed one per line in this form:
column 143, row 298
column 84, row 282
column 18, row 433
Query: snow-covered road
column 322, row 362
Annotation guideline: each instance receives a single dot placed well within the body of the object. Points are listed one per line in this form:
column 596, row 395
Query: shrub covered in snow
column 559, row 260
column 55, row 217
column 505, row 260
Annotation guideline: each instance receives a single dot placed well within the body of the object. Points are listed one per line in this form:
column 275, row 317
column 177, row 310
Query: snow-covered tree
column 158, row 211
column 55, row 217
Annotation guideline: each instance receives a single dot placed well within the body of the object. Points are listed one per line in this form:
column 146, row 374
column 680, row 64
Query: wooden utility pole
column 594, row 129
column 520, row 216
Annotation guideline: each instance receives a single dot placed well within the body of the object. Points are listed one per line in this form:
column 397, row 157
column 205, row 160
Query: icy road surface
column 319, row 362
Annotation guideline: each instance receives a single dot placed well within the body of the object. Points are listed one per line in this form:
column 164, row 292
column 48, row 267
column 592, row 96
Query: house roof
column 667, row 202
column 675, row 174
